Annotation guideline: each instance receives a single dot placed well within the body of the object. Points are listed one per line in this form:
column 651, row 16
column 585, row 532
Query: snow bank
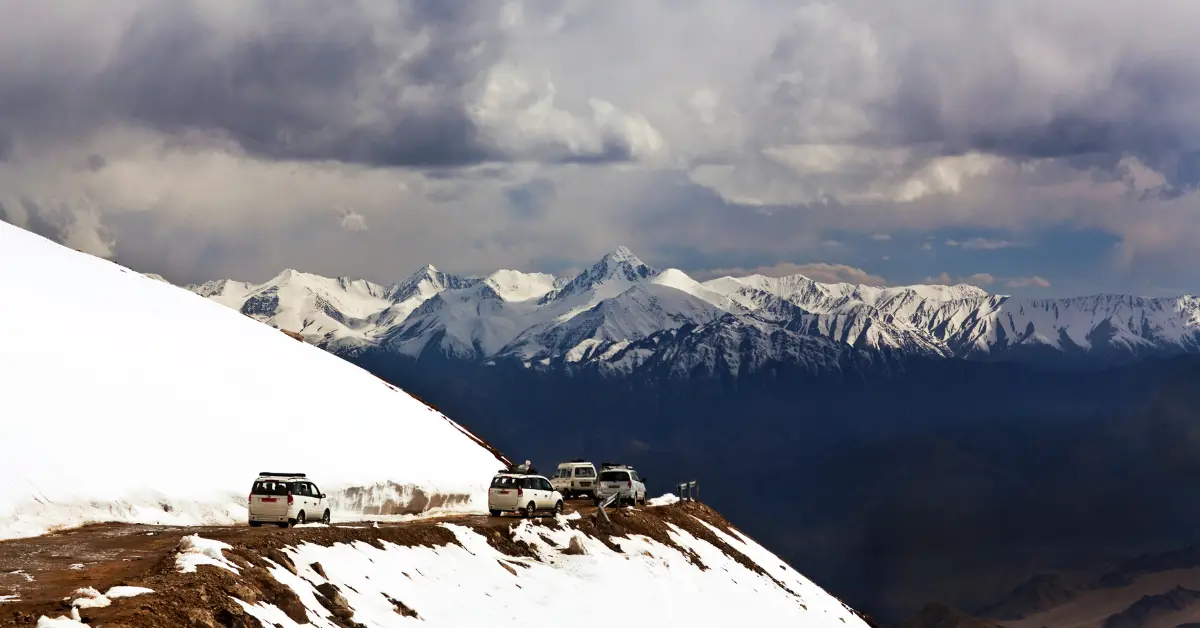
column 128, row 399
column 663, row 500
column 647, row 584
column 195, row 551
column 91, row 598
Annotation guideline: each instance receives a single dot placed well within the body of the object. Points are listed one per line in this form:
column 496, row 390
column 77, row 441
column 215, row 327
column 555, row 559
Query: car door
column 548, row 490
column 319, row 503
column 310, row 502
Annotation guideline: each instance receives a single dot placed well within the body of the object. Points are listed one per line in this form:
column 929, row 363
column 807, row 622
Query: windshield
column 614, row 476
column 503, row 481
column 269, row 487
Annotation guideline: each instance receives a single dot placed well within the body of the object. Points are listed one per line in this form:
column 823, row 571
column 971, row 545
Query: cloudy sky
column 1030, row 147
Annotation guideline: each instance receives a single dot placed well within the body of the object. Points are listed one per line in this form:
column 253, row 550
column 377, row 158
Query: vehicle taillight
column 520, row 492
column 629, row 484
column 250, row 498
column 289, row 498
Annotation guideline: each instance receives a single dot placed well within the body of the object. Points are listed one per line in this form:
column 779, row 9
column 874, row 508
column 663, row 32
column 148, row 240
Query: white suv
column 286, row 499
column 522, row 493
column 575, row 478
column 620, row 478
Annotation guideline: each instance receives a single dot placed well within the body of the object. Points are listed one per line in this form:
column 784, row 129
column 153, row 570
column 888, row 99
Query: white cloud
column 984, row 244
column 818, row 271
column 351, row 220
column 881, row 237
column 978, row 279
column 1027, row 282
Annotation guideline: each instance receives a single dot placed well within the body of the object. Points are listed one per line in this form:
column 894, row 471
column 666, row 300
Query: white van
column 286, row 499
column 574, row 479
column 522, row 493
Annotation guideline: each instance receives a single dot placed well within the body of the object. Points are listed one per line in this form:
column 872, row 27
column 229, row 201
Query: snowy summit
column 620, row 314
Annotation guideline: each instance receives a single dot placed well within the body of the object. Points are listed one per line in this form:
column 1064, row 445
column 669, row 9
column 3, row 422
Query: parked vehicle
column 575, row 478
column 522, row 493
column 286, row 499
column 621, row 479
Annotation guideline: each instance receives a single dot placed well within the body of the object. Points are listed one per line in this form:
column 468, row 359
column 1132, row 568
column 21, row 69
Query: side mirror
column 321, row 496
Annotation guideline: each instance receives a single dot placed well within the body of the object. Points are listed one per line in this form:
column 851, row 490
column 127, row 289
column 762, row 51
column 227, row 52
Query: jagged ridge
column 620, row 315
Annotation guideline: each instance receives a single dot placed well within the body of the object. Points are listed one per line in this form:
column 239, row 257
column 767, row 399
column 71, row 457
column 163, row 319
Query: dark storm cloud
column 286, row 80
column 531, row 200
column 294, row 91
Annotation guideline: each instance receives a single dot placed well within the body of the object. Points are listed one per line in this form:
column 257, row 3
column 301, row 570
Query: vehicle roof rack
column 283, row 475
column 579, row 460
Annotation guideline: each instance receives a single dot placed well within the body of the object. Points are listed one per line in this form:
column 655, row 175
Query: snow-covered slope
column 166, row 406
column 613, row 316
column 669, row 564
column 716, row 579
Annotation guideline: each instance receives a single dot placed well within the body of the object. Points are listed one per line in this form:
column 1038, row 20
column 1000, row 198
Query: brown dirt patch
column 366, row 500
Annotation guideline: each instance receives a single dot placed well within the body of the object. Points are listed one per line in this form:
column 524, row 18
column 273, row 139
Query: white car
column 622, row 479
column 286, row 499
column 522, row 493
column 574, row 479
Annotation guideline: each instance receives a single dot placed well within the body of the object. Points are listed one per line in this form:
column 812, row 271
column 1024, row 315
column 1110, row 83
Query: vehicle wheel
column 530, row 510
column 494, row 513
column 300, row 517
column 325, row 517
column 255, row 524
column 558, row 507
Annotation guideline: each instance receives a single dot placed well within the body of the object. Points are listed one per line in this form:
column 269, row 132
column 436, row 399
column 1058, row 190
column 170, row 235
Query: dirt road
column 36, row 574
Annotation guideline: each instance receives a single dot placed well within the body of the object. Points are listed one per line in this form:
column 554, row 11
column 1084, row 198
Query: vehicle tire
column 255, row 524
column 494, row 513
column 300, row 517
column 558, row 508
column 530, row 510
column 325, row 517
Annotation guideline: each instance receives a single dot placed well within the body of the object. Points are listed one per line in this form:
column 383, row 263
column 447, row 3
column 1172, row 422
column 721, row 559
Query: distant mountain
column 1040, row 593
column 942, row 616
column 621, row 316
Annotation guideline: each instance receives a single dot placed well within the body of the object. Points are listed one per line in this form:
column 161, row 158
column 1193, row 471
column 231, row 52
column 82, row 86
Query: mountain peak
column 623, row 254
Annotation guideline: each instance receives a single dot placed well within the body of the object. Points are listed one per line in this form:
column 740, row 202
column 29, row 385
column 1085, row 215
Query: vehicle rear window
column 269, row 487
column 501, row 481
column 585, row 472
column 614, row 476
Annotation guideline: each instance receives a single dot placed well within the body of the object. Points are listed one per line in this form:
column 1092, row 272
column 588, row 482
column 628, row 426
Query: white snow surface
column 167, row 405
column 663, row 500
column 195, row 551
column 662, row 587
column 91, row 598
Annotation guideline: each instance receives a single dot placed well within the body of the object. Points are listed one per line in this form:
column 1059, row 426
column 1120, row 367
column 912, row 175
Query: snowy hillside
column 614, row 315
column 663, row 565
column 702, row 577
column 174, row 427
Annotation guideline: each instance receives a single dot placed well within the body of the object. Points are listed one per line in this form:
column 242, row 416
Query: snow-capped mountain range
column 621, row 315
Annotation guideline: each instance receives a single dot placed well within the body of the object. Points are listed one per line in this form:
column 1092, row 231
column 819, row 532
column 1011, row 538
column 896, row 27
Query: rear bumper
column 268, row 518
